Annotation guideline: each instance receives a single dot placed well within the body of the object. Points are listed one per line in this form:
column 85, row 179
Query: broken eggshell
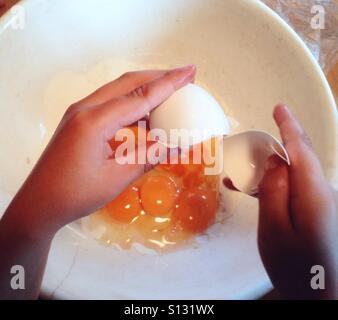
column 190, row 112
column 244, row 158
column 194, row 111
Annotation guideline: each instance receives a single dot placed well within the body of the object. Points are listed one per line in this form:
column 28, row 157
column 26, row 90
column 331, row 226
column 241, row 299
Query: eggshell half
column 191, row 111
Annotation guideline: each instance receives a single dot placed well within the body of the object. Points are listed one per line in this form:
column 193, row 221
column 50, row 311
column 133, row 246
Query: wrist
column 23, row 225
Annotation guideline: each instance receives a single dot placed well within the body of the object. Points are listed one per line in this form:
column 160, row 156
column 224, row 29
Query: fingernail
column 283, row 107
column 186, row 68
column 183, row 75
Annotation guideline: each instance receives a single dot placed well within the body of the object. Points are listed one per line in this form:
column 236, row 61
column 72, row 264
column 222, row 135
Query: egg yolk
column 126, row 206
column 167, row 205
column 114, row 144
column 177, row 169
column 196, row 210
column 158, row 195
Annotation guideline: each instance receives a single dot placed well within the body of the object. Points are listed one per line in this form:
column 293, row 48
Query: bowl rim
column 330, row 104
column 289, row 34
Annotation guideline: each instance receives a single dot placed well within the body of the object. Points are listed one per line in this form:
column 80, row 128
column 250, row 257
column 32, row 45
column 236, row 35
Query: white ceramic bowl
column 246, row 56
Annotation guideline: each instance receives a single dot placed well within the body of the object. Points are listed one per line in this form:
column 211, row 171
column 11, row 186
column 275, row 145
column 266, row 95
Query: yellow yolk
column 195, row 210
column 166, row 206
column 126, row 206
column 158, row 195
column 114, row 144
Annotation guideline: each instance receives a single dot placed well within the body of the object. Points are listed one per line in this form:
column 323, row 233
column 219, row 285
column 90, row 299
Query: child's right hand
column 298, row 222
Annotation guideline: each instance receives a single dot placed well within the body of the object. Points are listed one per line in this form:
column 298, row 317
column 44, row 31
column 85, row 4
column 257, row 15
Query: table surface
column 332, row 77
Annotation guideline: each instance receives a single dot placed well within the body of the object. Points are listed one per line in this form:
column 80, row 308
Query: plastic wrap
column 317, row 24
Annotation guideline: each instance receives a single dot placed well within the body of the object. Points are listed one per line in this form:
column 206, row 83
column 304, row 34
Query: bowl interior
column 246, row 57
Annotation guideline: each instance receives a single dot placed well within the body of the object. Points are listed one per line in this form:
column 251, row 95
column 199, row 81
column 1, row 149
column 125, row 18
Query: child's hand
column 298, row 223
column 75, row 175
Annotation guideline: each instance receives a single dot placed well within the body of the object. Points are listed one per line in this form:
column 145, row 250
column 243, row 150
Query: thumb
column 274, row 196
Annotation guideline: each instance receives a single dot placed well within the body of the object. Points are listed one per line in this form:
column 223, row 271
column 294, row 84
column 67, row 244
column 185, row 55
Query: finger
column 273, row 197
column 304, row 162
column 290, row 128
column 126, row 110
column 135, row 168
column 227, row 183
column 308, row 186
column 121, row 86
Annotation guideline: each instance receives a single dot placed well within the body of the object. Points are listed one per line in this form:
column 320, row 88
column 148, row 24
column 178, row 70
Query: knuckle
column 72, row 109
column 281, row 185
column 140, row 92
column 127, row 75
column 80, row 121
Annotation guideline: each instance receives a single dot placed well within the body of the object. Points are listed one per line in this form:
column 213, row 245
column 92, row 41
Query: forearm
column 18, row 247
